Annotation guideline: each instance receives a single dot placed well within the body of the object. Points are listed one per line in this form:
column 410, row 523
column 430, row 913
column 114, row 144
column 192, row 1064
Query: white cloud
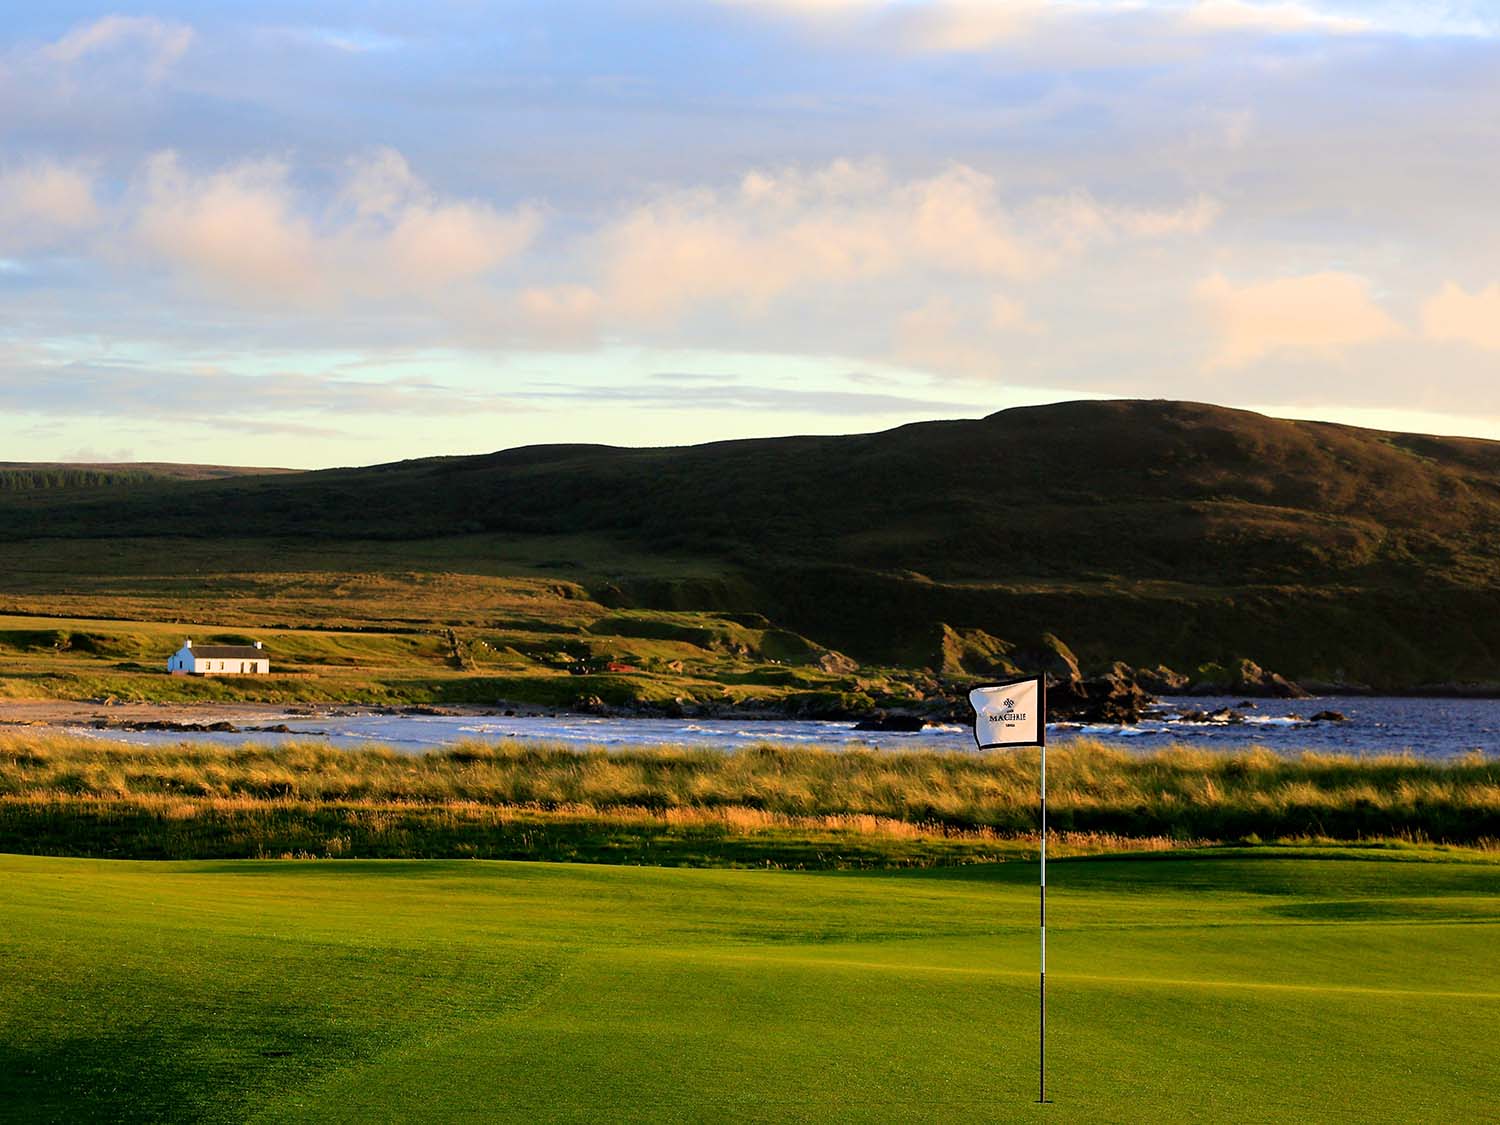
column 44, row 201
column 245, row 231
column 1077, row 220
column 1009, row 315
column 235, row 229
column 559, row 314
column 1454, row 314
column 970, row 338
column 936, row 335
column 159, row 43
column 849, row 224
column 1320, row 314
column 1240, row 15
column 380, row 183
column 969, row 26
column 938, row 26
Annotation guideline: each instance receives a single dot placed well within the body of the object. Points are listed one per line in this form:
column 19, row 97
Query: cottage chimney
column 258, row 645
column 187, row 644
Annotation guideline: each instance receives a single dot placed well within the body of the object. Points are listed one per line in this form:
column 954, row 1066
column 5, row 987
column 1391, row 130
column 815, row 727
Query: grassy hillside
column 1253, row 987
column 1152, row 532
column 516, row 642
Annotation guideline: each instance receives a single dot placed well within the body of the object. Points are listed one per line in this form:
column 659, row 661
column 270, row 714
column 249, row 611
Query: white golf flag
column 1012, row 714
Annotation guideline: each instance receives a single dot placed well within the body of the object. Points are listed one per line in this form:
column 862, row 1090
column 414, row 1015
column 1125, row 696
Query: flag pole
column 1002, row 725
column 1042, row 979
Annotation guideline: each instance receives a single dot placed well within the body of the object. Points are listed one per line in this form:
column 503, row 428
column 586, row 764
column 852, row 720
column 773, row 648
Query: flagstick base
column 1041, row 1094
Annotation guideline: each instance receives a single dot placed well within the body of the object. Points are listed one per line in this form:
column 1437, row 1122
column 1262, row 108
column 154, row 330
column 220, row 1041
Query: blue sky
column 339, row 233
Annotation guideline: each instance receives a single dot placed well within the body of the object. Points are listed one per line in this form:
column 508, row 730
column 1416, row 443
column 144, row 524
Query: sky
column 311, row 234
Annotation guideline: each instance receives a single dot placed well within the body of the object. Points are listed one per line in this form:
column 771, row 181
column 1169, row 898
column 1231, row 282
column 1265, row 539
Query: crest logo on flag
column 1010, row 714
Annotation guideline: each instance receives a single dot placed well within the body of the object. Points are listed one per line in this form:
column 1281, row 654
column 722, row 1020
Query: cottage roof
column 230, row 652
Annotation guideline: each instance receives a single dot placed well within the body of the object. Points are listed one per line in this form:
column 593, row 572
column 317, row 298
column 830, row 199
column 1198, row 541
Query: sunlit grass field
column 1321, row 985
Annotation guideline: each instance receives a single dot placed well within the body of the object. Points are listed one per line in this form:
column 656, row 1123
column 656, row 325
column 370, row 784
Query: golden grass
column 1094, row 790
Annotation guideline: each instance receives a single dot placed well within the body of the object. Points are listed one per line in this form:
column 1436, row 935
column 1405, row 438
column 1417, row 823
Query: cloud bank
column 1275, row 203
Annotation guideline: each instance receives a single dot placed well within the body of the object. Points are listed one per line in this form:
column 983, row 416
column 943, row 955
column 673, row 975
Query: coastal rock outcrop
column 1161, row 680
column 972, row 652
column 1113, row 696
column 1247, row 678
column 1118, row 694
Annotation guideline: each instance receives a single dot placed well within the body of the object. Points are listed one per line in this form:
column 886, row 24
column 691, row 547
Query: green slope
column 1144, row 531
column 1221, row 987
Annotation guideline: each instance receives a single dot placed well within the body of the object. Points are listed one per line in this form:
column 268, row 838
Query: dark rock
column 164, row 724
column 1161, row 680
column 1247, row 678
column 1224, row 716
column 1049, row 657
column 1114, row 697
column 834, row 663
column 1279, row 687
column 1255, row 680
column 972, row 652
column 1330, row 717
column 674, row 708
column 833, row 705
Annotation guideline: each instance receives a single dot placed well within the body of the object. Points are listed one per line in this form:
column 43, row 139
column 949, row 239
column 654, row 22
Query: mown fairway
column 1245, row 987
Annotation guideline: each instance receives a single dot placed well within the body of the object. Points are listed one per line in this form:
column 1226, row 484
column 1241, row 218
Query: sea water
column 1423, row 727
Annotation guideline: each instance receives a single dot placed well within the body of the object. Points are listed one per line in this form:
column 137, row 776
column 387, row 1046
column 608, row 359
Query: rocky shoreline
column 1119, row 694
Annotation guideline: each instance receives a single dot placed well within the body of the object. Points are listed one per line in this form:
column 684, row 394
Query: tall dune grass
column 68, row 795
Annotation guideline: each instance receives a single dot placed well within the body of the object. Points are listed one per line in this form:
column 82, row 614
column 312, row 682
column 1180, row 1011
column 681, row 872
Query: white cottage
column 219, row 660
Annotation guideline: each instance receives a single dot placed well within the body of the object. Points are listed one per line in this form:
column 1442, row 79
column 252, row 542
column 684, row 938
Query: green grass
column 1262, row 986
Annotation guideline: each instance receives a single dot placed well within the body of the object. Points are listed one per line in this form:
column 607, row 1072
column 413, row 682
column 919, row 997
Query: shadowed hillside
column 1146, row 531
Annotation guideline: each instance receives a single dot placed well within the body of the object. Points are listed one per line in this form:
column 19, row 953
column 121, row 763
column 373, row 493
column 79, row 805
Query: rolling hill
column 1146, row 531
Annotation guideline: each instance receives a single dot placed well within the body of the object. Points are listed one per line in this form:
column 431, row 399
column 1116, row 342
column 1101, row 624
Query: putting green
column 1252, row 987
